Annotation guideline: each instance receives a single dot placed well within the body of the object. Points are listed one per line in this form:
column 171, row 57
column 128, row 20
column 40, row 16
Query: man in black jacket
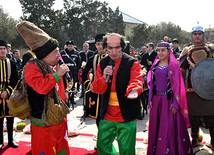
column 91, row 67
column 86, row 53
column 149, row 57
column 84, row 56
column 71, row 58
column 120, row 106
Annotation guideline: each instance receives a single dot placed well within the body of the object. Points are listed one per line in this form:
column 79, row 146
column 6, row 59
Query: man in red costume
column 120, row 106
column 43, row 77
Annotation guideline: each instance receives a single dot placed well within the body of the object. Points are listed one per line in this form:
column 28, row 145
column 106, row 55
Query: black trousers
column 196, row 121
column 10, row 121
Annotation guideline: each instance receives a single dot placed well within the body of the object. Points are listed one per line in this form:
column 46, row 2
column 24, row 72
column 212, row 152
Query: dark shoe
column 13, row 144
column 210, row 146
column 81, row 96
column 1, row 146
column 140, row 118
column 194, row 135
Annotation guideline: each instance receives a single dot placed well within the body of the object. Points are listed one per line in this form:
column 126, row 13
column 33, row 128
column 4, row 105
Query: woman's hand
column 150, row 105
column 173, row 110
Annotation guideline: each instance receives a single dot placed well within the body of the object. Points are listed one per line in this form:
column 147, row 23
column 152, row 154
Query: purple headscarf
column 176, row 82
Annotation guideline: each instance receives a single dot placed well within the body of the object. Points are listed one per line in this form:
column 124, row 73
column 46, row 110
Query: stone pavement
column 88, row 126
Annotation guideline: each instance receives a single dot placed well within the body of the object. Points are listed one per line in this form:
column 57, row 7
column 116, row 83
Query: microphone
column 66, row 74
column 111, row 63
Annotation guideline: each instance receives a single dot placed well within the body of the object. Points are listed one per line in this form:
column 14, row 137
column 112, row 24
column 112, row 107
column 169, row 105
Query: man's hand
column 62, row 69
column 133, row 94
column 4, row 95
column 108, row 71
column 91, row 88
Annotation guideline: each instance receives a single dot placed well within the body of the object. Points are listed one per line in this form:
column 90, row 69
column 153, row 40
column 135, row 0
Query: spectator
column 9, row 78
column 176, row 50
column 149, row 57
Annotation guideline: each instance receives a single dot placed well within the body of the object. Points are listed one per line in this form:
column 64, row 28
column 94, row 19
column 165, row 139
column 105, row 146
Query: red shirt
column 43, row 85
column 99, row 86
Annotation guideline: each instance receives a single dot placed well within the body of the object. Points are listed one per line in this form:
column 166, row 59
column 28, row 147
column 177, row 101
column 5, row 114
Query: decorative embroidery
column 189, row 150
column 161, row 92
column 162, row 67
column 91, row 103
column 170, row 72
column 185, row 111
column 178, row 98
column 160, row 138
column 154, row 148
column 184, row 139
column 167, row 151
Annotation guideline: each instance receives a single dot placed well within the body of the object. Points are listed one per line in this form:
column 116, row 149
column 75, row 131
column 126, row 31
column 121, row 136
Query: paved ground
column 89, row 126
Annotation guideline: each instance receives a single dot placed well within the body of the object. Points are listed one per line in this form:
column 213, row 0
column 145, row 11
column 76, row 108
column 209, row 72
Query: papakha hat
column 3, row 43
column 39, row 41
column 99, row 37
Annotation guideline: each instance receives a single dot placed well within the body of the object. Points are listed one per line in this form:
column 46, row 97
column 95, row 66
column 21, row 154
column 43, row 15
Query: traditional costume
column 41, row 82
column 9, row 78
column 167, row 132
column 92, row 107
column 118, row 113
column 200, row 109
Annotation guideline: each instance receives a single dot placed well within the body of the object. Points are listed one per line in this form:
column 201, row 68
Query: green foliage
column 7, row 27
column 86, row 18
column 155, row 33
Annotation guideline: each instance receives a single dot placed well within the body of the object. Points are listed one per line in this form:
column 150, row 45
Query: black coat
column 4, row 85
column 84, row 57
column 90, row 67
column 130, row 108
column 72, row 60
column 146, row 57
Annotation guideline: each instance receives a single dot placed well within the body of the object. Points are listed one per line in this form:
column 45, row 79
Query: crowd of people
column 115, row 86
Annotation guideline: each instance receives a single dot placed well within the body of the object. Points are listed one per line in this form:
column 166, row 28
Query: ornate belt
column 161, row 92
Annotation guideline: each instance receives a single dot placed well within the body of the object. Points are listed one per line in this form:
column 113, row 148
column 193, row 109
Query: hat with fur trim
column 39, row 41
column 3, row 43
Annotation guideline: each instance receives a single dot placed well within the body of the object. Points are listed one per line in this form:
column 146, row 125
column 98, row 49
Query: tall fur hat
column 39, row 41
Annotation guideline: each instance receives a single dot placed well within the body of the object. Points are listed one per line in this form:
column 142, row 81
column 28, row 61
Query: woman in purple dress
column 168, row 119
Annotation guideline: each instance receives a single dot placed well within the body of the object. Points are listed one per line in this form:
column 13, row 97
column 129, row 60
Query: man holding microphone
column 120, row 106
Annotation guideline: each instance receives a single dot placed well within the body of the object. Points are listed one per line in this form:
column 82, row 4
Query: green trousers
column 125, row 133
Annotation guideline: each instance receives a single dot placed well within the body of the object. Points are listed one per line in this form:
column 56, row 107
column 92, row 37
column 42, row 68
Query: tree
column 7, row 27
column 154, row 33
column 86, row 18
column 141, row 36
column 40, row 13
